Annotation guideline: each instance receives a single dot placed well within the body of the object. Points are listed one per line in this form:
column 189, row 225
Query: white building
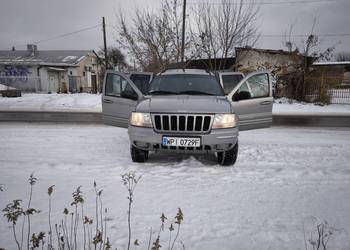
column 50, row 70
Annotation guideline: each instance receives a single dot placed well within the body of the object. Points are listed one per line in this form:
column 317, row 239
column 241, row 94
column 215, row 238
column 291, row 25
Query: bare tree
column 212, row 31
column 342, row 57
column 115, row 57
column 154, row 37
column 222, row 27
column 287, row 40
column 310, row 51
column 309, row 47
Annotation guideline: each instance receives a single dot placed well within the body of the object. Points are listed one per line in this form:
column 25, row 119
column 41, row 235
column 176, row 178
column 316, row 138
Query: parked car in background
column 187, row 111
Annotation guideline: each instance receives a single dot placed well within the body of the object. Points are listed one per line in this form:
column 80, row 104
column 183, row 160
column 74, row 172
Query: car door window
column 244, row 88
column 113, row 85
column 128, row 91
column 244, row 92
column 259, row 85
column 117, row 86
column 124, row 85
column 230, row 82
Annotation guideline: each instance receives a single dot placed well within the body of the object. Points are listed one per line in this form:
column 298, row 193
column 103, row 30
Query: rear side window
column 230, row 82
column 141, row 82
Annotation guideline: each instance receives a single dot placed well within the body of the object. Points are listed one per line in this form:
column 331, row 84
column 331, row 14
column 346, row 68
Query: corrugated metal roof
column 44, row 57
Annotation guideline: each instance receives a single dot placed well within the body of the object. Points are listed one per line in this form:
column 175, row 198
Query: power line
column 61, row 35
column 299, row 35
column 263, row 3
column 67, row 34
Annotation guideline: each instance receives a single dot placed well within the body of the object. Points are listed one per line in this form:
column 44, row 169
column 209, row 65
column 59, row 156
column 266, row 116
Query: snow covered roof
column 331, row 63
column 269, row 51
column 44, row 57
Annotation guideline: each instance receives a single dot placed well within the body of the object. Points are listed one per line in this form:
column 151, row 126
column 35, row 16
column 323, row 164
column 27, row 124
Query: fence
column 341, row 96
column 315, row 89
column 336, row 95
column 331, row 87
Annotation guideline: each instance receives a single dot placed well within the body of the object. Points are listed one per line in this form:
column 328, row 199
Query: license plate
column 181, row 141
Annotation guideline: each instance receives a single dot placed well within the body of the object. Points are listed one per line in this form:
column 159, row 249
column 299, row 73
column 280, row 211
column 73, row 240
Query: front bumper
column 217, row 140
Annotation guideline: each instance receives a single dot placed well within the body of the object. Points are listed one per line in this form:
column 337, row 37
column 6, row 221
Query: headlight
column 224, row 121
column 141, row 119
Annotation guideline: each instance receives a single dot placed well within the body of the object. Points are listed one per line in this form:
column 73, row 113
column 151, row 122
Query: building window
column 71, row 72
column 83, row 73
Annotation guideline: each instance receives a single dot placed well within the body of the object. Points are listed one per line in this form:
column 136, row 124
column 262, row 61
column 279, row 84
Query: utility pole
column 183, row 31
column 105, row 42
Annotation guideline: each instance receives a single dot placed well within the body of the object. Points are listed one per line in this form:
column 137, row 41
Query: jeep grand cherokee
column 187, row 111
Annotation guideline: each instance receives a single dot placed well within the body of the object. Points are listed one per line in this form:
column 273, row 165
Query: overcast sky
column 25, row 21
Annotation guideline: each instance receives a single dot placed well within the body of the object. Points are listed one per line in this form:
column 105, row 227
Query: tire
column 229, row 157
column 138, row 155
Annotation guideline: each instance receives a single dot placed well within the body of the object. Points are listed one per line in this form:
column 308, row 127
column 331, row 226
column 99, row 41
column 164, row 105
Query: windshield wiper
column 161, row 92
column 194, row 92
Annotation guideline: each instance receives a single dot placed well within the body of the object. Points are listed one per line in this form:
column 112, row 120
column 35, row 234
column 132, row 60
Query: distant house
column 49, row 70
column 279, row 62
column 248, row 59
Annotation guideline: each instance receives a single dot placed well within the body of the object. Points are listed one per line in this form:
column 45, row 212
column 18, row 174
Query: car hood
column 185, row 104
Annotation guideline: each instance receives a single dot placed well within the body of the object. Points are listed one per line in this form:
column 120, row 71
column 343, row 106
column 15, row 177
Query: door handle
column 107, row 101
column 265, row 103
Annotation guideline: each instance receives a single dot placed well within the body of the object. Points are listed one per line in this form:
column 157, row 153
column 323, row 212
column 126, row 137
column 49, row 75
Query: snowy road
column 285, row 180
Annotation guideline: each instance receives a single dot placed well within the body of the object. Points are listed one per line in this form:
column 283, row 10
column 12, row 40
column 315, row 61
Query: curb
column 315, row 120
column 311, row 120
column 48, row 116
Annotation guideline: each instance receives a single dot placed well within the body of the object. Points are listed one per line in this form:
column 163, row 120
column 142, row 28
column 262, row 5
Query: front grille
column 183, row 123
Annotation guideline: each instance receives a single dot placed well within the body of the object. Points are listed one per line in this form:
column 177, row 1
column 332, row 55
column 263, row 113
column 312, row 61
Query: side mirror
column 242, row 95
column 130, row 95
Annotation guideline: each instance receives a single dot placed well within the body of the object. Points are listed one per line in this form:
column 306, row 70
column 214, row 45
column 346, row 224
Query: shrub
column 65, row 235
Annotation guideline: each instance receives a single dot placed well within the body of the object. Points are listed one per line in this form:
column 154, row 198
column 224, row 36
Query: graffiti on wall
column 14, row 73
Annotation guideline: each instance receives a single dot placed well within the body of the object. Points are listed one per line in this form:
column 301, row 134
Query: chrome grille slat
column 178, row 123
column 190, row 123
column 194, row 122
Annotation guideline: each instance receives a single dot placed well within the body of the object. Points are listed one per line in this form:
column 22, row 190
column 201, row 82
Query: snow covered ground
column 284, row 182
column 283, row 106
column 53, row 102
column 92, row 103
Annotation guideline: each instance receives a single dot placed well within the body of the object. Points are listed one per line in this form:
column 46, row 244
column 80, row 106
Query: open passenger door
column 119, row 98
column 252, row 101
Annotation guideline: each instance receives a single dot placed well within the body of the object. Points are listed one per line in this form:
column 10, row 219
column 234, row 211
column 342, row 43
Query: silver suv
column 187, row 111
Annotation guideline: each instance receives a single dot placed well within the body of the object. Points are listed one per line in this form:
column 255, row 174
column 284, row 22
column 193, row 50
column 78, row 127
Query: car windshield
column 185, row 84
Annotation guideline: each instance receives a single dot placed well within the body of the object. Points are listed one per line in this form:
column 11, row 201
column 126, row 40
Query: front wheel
column 229, row 157
column 138, row 155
